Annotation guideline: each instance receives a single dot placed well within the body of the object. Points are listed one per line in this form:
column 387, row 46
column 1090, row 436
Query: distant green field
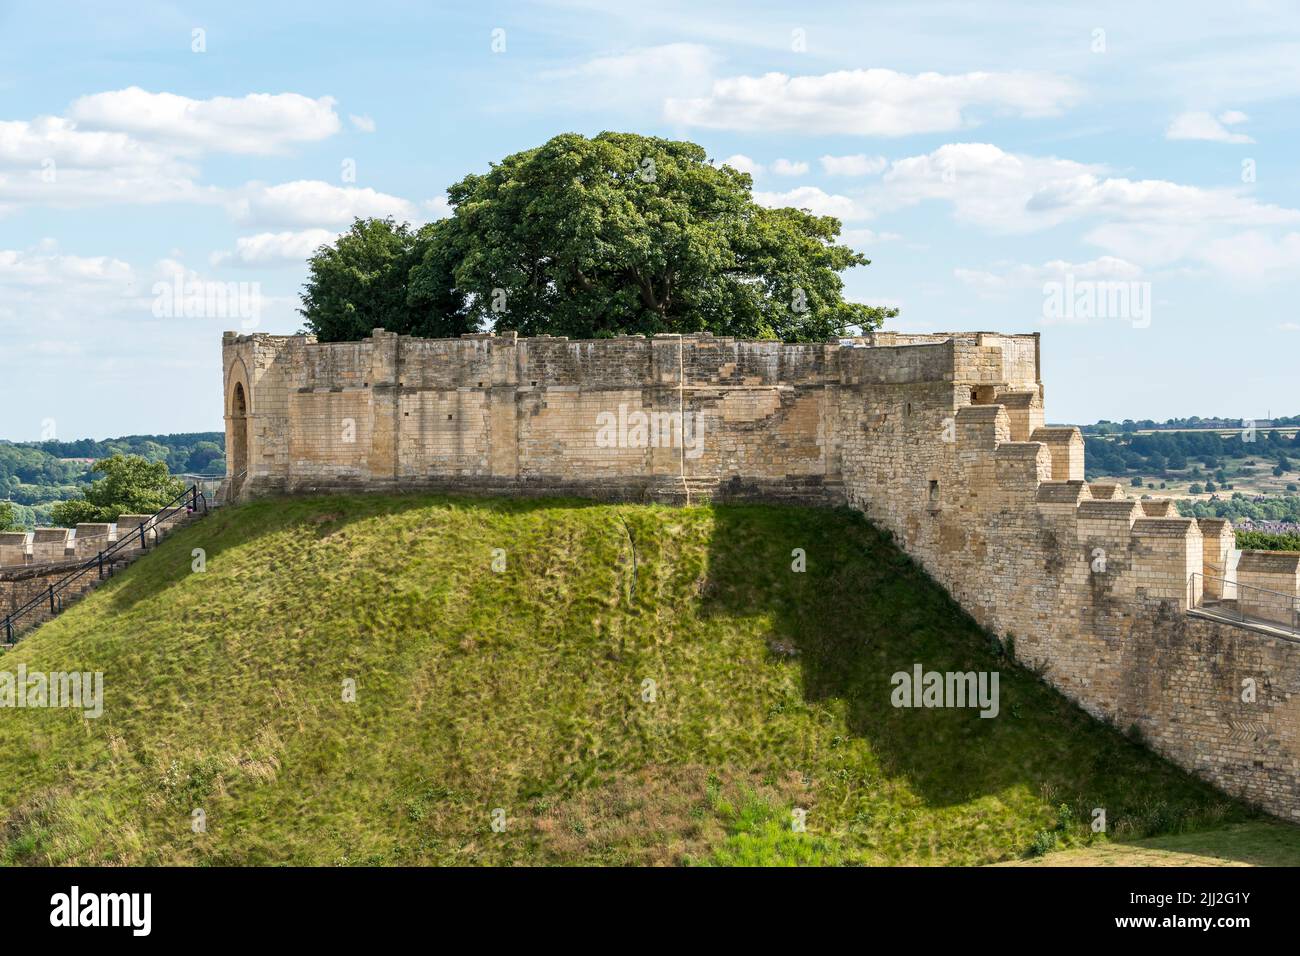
column 527, row 692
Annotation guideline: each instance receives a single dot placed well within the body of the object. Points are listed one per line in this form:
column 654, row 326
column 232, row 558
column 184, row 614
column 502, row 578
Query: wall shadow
column 863, row 610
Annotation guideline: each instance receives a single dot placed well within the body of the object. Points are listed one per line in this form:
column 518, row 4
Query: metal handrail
column 191, row 496
column 1288, row 601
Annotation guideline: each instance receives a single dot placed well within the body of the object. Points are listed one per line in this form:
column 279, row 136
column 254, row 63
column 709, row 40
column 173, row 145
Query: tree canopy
column 363, row 282
column 131, row 485
column 616, row 234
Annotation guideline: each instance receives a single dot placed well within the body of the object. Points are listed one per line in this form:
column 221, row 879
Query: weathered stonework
column 939, row 438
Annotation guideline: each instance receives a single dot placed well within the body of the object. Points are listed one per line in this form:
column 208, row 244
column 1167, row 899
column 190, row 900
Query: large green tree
column 582, row 237
column 362, row 282
column 130, row 485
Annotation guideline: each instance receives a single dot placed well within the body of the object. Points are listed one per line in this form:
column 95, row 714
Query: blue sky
column 984, row 156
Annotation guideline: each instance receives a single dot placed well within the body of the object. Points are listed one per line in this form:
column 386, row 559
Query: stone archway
column 237, row 440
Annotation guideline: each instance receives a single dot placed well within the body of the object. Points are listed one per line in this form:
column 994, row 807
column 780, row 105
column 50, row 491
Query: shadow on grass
column 863, row 610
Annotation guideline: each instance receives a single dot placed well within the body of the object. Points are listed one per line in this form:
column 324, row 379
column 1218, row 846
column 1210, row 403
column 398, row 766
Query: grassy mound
column 526, row 691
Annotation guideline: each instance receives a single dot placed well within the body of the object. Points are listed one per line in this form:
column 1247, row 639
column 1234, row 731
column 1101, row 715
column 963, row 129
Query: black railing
column 192, row 499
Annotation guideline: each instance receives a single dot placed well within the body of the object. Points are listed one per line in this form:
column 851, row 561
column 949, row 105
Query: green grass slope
column 1258, row 843
column 525, row 690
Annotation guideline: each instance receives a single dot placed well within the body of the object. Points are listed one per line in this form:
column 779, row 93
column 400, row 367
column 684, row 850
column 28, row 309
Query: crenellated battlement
column 55, row 546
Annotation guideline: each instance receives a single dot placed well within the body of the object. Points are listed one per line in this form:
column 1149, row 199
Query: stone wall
column 19, row 585
column 549, row 415
column 72, row 546
column 939, row 438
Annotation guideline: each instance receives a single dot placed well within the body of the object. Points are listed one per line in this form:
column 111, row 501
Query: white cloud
column 1146, row 223
column 271, row 248
column 256, row 123
column 49, row 161
column 861, row 238
column 311, row 202
column 631, row 78
column 858, row 164
column 43, row 289
column 26, row 144
column 985, row 185
column 1228, row 72
column 132, row 146
column 1204, row 126
column 815, row 200
column 743, row 164
column 70, row 188
column 875, row 102
column 786, row 167
column 1254, row 255
column 46, row 267
column 438, row 207
column 1149, row 221
column 362, row 124
column 1025, row 276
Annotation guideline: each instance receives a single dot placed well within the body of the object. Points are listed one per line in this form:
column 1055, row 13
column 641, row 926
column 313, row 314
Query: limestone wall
column 19, row 585
column 940, row 438
column 631, row 416
column 1095, row 589
column 68, row 547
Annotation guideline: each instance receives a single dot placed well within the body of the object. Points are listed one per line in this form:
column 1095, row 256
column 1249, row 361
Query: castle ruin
column 1120, row 603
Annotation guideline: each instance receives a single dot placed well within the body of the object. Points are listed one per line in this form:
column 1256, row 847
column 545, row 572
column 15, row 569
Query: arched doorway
column 237, row 455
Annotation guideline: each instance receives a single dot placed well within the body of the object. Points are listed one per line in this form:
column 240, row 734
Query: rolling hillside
column 525, row 689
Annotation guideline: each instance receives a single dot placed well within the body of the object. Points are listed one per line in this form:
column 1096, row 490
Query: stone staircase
column 38, row 592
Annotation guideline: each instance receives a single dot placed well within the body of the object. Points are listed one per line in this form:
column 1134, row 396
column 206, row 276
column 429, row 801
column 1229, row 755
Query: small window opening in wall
column 907, row 409
column 934, row 496
column 448, row 418
column 534, row 383
column 480, row 384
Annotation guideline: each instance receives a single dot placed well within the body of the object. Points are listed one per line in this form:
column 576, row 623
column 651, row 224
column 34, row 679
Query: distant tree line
column 1106, row 427
column 1157, row 454
column 35, row 476
column 1270, row 508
